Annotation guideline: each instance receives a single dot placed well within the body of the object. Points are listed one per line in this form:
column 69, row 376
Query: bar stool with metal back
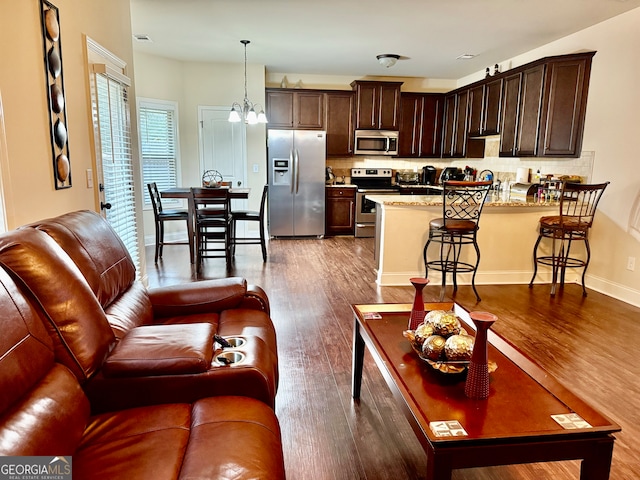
column 212, row 224
column 161, row 216
column 251, row 216
column 578, row 203
column 462, row 204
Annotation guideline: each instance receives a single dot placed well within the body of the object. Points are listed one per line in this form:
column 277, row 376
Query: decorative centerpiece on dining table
column 211, row 179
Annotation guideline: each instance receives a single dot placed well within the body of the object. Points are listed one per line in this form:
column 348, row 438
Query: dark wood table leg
column 358, row 360
column 438, row 468
column 597, row 465
column 190, row 228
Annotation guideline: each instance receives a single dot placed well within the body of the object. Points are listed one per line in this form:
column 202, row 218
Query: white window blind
column 112, row 115
column 158, row 139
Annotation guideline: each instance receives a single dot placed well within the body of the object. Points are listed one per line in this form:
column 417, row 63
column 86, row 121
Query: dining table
column 237, row 193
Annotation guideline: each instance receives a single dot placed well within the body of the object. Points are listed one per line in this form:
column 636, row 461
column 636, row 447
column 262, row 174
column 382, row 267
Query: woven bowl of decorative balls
column 442, row 342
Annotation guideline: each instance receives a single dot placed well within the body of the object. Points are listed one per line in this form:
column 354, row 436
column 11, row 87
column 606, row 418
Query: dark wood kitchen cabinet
column 456, row 142
column 377, row 105
column 295, row 109
column 543, row 107
column 420, row 125
column 340, row 211
column 484, row 108
column 563, row 112
column 339, row 123
column 521, row 106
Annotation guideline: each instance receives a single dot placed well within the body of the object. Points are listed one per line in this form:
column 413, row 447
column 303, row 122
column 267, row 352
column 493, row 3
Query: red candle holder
column 417, row 312
column 477, row 384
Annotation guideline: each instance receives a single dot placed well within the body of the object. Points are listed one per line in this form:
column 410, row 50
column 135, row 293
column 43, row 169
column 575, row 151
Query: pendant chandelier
column 247, row 110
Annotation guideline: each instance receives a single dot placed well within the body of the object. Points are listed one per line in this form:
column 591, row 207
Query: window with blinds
column 158, row 144
column 111, row 112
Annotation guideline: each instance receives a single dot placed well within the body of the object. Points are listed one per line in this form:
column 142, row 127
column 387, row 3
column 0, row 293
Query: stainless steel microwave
column 376, row 142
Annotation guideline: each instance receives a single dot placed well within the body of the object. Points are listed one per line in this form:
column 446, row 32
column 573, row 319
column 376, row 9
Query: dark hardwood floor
column 589, row 344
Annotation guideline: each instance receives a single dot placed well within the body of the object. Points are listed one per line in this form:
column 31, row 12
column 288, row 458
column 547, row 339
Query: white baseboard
column 601, row 285
column 615, row 290
column 150, row 240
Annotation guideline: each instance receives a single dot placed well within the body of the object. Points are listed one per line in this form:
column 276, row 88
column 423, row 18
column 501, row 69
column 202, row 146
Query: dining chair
column 250, row 216
column 160, row 216
column 212, row 224
column 462, row 204
column 578, row 204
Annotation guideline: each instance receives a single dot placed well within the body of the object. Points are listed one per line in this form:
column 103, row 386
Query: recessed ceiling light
column 142, row 37
column 465, row 56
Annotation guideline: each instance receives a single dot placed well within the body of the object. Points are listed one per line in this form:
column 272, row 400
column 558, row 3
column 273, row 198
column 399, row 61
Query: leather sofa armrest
column 256, row 299
column 207, row 296
column 152, row 350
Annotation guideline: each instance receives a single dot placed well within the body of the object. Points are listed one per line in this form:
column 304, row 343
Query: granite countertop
column 341, row 185
column 436, row 200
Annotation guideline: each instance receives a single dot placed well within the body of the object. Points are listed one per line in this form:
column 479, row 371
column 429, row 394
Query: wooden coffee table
column 514, row 425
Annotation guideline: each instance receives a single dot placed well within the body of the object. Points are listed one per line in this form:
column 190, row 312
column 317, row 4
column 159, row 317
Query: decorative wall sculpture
column 55, row 93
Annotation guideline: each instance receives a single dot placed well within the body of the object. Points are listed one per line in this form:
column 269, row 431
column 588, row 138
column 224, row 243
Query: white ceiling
column 343, row 37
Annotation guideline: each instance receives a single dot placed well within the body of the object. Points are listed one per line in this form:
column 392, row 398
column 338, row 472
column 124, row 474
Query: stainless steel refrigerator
column 296, row 176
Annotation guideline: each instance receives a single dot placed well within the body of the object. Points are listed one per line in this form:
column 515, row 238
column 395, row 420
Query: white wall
column 192, row 84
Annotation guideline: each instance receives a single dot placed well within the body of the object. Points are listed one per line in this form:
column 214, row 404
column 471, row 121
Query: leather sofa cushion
column 162, row 350
column 222, row 438
column 130, row 310
column 96, row 249
column 75, row 320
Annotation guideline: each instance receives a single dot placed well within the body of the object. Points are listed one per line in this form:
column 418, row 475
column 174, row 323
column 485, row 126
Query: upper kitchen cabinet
column 563, row 112
column 303, row 109
column 420, row 125
column 485, row 101
column 339, row 123
column 521, row 106
column 377, row 105
column 543, row 107
column 455, row 140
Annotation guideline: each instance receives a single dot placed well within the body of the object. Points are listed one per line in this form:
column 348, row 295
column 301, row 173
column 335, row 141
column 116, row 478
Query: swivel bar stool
column 462, row 204
column 578, row 203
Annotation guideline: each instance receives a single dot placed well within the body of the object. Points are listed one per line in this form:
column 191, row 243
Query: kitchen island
column 507, row 234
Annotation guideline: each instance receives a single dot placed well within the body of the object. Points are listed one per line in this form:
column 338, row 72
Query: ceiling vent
column 142, row 37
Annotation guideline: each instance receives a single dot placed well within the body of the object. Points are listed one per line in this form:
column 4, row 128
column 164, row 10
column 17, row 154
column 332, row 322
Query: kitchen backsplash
column 504, row 168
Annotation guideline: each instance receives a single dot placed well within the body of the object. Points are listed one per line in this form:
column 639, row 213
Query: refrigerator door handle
column 296, row 161
column 293, row 169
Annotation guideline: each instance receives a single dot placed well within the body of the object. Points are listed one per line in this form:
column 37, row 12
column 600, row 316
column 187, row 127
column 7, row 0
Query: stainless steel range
column 370, row 181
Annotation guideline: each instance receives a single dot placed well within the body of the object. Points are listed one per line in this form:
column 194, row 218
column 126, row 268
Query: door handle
column 293, row 170
column 105, row 206
column 297, row 162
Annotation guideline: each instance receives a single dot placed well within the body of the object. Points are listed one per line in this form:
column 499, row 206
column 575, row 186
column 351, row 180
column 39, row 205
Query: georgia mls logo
column 35, row 468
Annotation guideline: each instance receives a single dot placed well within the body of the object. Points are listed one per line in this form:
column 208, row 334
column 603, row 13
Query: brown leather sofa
column 129, row 346
column 44, row 411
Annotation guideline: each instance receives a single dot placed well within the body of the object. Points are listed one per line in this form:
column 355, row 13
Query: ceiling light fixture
column 247, row 110
column 388, row 59
column 465, row 56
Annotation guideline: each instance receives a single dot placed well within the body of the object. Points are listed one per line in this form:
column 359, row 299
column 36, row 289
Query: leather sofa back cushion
column 96, row 249
column 131, row 309
column 26, row 351
column 43, row 411
column 76, row 322
column 162, row 350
